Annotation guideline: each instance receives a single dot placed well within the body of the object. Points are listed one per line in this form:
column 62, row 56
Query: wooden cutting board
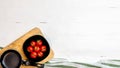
column 18, row 44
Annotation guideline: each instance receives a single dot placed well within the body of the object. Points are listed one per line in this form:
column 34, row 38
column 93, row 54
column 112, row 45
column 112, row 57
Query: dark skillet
column 10, row 59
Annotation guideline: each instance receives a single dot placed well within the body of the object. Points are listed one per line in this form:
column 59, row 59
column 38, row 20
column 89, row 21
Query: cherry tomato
column 39, row 42
column 40, row 54
column 33, row 43
column 29, row 48
column 33, row 55
column 43, row 48
column 36, row 48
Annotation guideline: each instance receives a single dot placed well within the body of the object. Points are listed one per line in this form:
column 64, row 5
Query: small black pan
column 35, row 38
column 10, row 59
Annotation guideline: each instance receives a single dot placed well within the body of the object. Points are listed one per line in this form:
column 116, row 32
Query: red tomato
column 39, row 42
column 33, row 55
column 43, row 48
column 33, row 43
column 40, row 54
column 36, row 48
column 29, row 48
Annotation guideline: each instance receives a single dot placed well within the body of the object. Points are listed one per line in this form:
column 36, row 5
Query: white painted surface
column 79, row 30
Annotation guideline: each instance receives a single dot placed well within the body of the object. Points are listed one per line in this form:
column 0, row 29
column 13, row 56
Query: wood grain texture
column 18, row 44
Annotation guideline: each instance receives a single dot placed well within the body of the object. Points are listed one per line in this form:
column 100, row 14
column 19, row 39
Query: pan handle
column 31, row 63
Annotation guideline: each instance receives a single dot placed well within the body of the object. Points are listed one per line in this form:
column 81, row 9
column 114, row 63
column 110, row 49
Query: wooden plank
column 18, row 44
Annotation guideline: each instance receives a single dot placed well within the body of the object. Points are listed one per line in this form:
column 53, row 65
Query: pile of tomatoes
column 36, row 49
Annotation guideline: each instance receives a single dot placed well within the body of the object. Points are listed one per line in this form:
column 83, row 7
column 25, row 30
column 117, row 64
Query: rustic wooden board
column 18, row 44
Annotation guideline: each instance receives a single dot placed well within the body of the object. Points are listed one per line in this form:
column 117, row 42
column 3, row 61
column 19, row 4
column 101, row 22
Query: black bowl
column 35, row 38
column 10, row 59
